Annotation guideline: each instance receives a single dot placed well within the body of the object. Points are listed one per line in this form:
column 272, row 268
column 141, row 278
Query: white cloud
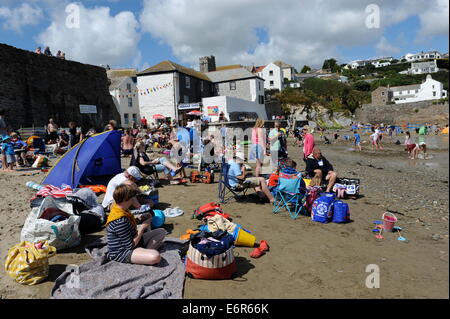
column 434, row 21
column 385, row 48
column 299, row 31
column 100, row 39
column 15, row 19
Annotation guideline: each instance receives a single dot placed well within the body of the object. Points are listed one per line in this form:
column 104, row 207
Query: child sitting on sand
column 128, row 243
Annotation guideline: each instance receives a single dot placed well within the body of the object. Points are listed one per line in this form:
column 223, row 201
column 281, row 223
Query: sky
column 141, row 33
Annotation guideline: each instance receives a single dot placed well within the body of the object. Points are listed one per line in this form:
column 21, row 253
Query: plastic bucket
column 389, row 220
column 244, row 239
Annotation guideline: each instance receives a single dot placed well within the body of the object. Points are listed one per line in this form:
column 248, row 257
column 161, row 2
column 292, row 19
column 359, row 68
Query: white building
column 423, row 67
column 273, row 77
column 123, row 89
column 410, row 57
column 429, row 90
column 287, row 70
column 233, row 108
column 379, row 64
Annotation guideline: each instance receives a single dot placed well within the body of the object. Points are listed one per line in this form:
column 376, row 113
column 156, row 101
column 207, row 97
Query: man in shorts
column 237, row 176
column 318, row 166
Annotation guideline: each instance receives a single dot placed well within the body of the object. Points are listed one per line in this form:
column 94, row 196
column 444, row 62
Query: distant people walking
column 308, row 142
column 38, row 50
column 144, row 122
column 47, row 51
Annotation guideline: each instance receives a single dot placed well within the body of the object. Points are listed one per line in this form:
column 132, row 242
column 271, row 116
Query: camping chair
column 226, row 192
column 39, row 147
column 289, row 194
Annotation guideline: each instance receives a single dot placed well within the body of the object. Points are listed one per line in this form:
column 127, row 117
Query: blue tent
column 92, row 161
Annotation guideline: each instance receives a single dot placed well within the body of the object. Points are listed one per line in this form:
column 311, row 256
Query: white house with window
column 429, row 90
column 273, row 76
column 422, row 56
column 125, row 95
column 423, row 67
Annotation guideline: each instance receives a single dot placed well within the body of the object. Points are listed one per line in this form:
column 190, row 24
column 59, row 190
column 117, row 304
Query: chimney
column 207, row 64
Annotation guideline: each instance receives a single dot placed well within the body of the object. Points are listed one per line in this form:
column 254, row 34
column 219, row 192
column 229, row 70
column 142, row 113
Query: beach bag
column 312, row 195
column 27, row 263
column 341, row 212
column 322, row 208
column 208, row 210
column 61, row 233
column 205, row 263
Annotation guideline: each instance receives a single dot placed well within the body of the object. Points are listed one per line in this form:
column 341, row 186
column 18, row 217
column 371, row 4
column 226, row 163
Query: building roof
column 227, row 67
column 116, row 82
column 169, row 66
column 230, row 75
column 259, row 68
column 405, row 87
column 113, row 73
column 282, row 65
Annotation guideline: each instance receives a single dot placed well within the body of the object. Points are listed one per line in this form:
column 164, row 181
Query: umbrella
column 195, row 113
column 158, row 117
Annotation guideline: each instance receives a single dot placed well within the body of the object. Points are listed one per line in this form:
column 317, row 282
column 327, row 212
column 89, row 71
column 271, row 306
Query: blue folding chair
column 226, row 191
column 289, row 194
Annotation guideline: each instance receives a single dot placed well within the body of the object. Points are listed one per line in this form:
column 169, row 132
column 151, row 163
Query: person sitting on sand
column 129, row 177
column 128, row 242
column 318, row 165
column 237, row 176
column 20, row 148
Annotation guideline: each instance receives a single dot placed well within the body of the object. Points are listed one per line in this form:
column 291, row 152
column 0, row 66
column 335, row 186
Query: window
column 186, row 99
column 188, row 82
column 270, row 73
column 232, row 85
column 434, row 93
column 259, row 85
column 201, row 86
column 400, row 93
column 134, row 117
column 382, row 93
column 130, row 102
column 271, row 83
column 261, row 99
column 126, row 119
column 217, row 87
column 432, row 86
column 129, row 87
column 417, row 91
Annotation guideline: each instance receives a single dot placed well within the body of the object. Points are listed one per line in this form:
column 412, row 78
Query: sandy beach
column 306, row 259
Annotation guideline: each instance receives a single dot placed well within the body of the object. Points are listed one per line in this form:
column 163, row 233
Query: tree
column 361, row 86
column 331, row 64
column 305, row 69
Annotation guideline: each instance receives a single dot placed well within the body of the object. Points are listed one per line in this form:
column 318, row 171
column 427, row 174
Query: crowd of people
column 47, row 52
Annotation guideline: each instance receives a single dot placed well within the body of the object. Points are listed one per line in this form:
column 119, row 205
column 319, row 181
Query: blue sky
column 140, row 33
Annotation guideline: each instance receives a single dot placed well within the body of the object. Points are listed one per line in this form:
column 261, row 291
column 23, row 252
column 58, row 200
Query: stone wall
column 415, row 113
column 34, row 88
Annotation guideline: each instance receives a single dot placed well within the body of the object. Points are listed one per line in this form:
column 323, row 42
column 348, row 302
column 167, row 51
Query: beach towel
column 50, row 190
column 105, row 279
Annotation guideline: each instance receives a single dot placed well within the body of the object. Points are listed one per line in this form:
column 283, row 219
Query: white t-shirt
column 113, row 183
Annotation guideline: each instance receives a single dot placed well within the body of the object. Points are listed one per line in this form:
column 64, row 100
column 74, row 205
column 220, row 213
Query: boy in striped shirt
column 127, row 242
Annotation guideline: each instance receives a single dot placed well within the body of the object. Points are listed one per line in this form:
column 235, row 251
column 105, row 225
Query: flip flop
column 379, row 236
column 257, row 252
column 264, row 246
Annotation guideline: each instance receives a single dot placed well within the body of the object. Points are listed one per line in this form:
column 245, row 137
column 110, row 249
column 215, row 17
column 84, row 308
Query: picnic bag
column 27, row 263
column 209, row 210
column 202, row 177
column 53, row 221
column 312, row 195
column 213, row 260
column 341, row 212
column 322, row 208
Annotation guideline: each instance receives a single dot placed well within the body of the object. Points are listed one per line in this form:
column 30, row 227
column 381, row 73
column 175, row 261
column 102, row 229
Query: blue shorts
column 257, row 152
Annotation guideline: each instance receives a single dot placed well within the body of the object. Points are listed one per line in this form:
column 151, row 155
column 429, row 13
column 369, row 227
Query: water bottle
column 34, row 185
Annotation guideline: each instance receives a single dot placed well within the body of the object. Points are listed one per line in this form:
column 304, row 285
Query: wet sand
column 306, row 259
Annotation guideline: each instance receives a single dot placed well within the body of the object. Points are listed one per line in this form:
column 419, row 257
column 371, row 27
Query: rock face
column 415, row 113
column 319, row 116
column 34, row 88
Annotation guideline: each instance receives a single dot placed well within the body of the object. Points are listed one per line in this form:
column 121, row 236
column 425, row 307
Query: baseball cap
column 135, row 172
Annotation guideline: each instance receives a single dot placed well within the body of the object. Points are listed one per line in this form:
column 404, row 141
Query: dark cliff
column 34, row 88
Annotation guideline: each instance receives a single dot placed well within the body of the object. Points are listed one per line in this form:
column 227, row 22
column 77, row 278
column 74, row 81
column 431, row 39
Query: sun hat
column 135, row 172
column 6, row 137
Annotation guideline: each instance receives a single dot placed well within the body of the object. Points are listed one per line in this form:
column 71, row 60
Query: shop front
column 184, row 109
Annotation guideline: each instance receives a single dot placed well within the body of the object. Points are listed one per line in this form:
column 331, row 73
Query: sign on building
column 88, row 109
column 188, row 106
column 213, row 110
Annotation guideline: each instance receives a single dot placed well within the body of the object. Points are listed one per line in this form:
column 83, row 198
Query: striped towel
column 50, row 190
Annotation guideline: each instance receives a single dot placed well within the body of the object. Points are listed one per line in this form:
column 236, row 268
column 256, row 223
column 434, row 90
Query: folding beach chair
column 289, row 194
column 227, row 192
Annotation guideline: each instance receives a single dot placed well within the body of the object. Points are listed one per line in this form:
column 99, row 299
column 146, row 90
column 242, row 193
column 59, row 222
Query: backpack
column 209, row 210
column 313, row 194
column 341, row 212
column 322, row 208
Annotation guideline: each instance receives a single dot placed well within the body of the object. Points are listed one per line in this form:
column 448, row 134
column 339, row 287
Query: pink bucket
column 389, row 220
